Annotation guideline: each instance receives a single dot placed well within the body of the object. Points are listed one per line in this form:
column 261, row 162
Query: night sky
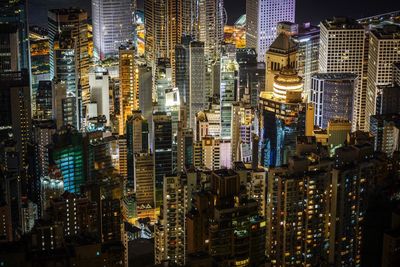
column 307, row 10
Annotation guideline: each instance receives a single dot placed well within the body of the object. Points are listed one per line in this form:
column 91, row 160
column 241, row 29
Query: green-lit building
column 67, row 153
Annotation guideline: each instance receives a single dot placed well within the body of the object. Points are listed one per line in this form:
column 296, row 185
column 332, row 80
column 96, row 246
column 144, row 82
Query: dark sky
column 307, row 10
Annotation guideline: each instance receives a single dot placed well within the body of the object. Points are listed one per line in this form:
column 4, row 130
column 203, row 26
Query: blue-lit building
column 332, row 95
column 282, row 118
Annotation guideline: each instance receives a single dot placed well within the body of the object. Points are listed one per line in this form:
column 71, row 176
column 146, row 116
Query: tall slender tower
column 211, row 26
column 112, row 25
column 262, row 19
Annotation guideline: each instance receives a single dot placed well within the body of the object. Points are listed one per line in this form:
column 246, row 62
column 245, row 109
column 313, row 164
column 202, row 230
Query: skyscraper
column 15, row 110
column 67, row 153
column 128, row 85
column 112, row 25
column 338, row 54
column 211, row 20
column 383, row 50
column 14, row 14
column 262, row 19
column 281, row 118
column 162, row 152
column 197, row 94
column 74, row 21
column 332, row 96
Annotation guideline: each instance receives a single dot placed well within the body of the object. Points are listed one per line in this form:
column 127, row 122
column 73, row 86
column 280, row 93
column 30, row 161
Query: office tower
column 262, row 19
column 211, row 21
column 385, row 129
column 9, row 60
column 128, row 84
column 334, row 36
column 100, row 91
column 162, row 151
column 162, row 81
column 383, row 52
column 155, row 16
column 297, row 208
column 171, row 228
column 112, row 25
column 228, row 89
column 14, row 14
column 332, row 96
column 350, row 174
column 44, row 100
column 67, row 153
column 281, row 53
column 182, row 70
column 144, row 184
column 73, row 21
column 137, row 137
column 281, row 118
column 40, row 60
column 197, row 96
column 251, row 76
column 307, row 38
column 15, row 110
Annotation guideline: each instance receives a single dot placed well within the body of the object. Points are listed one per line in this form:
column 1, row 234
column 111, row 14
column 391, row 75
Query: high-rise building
column 332, row 96
column 14, row 14
column 128, row 85
column 297, row 208
column 262, row 20
column 137, row 137
column 196, row 99
column 144, row 183
column 162, row 81
column 282, row 118
column 281, row 53
column 229, row 72
column 73, row 21
column 15, row 110
column 335, row 34
column 155, row 16
column 100, row 91
column 211, row 20
column 352, row 169
column 383, row 52
column 385, row 130
column 9, row 59
column 44, row 100
column 112, row 25
column 171, row 228
column 251, row 76
column 67, row 153
column 162, row 152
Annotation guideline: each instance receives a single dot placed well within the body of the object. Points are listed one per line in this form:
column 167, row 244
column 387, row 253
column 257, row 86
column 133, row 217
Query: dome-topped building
column 288, row 86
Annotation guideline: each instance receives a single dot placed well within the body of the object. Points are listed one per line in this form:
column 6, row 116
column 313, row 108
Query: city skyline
column 165, row 136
